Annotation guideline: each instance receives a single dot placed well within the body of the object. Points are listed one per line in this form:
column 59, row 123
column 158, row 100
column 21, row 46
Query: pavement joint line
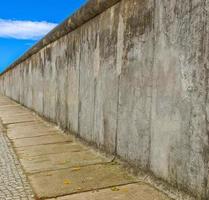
column 56, row 153
column 7, row 124
column 92, row 190
column 16, row 114
column 27, row 125
column 4, row 106
column 81, row 166
column 31, row 136
column 42, row 144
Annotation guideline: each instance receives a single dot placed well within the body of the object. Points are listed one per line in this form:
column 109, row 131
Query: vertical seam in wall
column 79, row 101
column 94, row 107
column 152, row 82
column 93, row 139
column 66, row 84
column 43, row 81
column 118, row 93
column 117, row 120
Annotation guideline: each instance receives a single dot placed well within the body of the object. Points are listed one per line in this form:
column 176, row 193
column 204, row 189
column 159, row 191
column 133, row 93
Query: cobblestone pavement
column 13, row 182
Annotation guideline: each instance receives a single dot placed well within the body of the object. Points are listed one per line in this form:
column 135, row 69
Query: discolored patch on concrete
column 46, row 139
column 139, row 191
column 61, row 161
column 39, row 150
column 69, row 181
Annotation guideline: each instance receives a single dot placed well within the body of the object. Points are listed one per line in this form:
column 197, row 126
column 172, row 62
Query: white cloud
column 24, row 29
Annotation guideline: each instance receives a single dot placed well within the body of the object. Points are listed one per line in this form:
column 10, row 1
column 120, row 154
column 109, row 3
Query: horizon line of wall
column 130, row 76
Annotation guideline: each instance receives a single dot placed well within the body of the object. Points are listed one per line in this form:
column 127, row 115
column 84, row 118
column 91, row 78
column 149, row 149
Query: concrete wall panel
column 135, row 85
column 178, row 136
column 131, row 78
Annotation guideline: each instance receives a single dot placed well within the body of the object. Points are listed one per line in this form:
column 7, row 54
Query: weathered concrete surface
column 131, row 79
column 18, row 134
column 41, row 140
column 92, row 177
column 130, row 192
column 67, row 166
column 61, row 161
column 25, row 152
column 18, row 119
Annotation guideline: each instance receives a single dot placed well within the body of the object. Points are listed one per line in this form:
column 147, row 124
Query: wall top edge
column 90, row 10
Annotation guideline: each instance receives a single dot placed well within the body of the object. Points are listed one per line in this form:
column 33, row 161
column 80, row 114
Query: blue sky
column 24, row 22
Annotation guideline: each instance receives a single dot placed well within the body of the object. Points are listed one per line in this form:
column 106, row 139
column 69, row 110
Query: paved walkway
column 59, row 166
column 13, row 182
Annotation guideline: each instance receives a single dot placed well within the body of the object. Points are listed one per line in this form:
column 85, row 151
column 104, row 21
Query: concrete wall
column 132, row 79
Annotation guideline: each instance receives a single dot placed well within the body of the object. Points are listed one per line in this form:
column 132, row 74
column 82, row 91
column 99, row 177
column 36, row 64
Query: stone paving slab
column 39, row 150
column 7, row 103
column 13, row 114
column 14, row 134
column 7, row 107
column 36, row 125
column 19, row 118
column 43, row 139
column 6, row 110
column 4, row 103
column 10, row 107
column 61, row 161
column 139, row 191
column 17, row 115
column 69, row 181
